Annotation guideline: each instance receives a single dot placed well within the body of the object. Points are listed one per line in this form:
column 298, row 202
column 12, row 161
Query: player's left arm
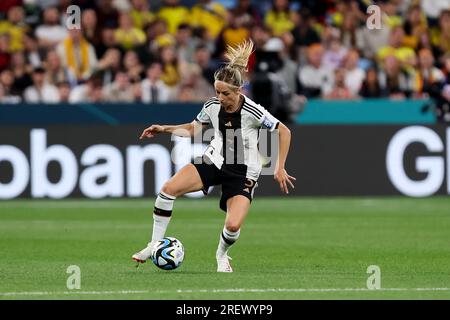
column 280, row 174
column 268, row 121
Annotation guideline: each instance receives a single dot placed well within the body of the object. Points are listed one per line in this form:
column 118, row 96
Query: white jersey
column 234, row 147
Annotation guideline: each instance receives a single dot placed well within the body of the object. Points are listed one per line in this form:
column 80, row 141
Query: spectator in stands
column 336, row 14
column 184, row 43
column 90, row 28
column 32, row 53
column 440, row 36
column 77, row 55
column 370, row 40
column 128, row 36
column 335, row 52
column 279, row 18
column 395, row 46
column 202, row 57
column 51, row 32
column 304, row 34
column 260, row 35
column 193, row 86
column 141, row 14
column 340, row 91
column 55, row 72
column 348, row 32
column 425, row 42
column 315, row 80
column 5, row 54
column 395, row 84
column 108, row 41
column 408, row 53
column 268, row 87
column 44, row 4
column 64, row 91
column 354, row 75
column 200, row 35
column 171, row 66
column 22, row 72
column 390, row 11
column 433, row 8
column 153, row 89
column 429, row 78
column 120, row 90
column 414, row 25
column 246, row 13
column 8, row 93
column 174, row 14
column 107, row 14
column 370, row 87
column 41, row 91
column 210, row 15
column 15, row 26
column 109, row 65
column 133, row 66
column 88, row 92
column 232, row 34
column 8, row 4
column 288, row 69
column 157, row 36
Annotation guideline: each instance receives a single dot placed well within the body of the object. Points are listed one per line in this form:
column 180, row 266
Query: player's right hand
column 151, row 131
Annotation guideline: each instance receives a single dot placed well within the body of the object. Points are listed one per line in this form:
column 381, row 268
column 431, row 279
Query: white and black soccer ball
column 168, row 253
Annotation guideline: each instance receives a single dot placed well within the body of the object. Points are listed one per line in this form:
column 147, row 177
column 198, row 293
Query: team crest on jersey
column 267, row 123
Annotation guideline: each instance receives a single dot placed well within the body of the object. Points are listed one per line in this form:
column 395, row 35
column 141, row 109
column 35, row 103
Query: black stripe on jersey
column 230, row 127
column 211, row 101
column 254, row 109
column 252, row 112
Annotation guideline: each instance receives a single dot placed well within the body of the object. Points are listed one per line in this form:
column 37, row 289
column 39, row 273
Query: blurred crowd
column 167, row 51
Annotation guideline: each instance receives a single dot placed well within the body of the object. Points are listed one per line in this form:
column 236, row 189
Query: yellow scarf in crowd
column 72, row 62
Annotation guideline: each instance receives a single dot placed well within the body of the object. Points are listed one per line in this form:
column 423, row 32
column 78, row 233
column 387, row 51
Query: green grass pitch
column 290, row 248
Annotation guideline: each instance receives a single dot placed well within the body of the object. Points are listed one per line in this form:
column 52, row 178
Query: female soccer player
column 231, row 159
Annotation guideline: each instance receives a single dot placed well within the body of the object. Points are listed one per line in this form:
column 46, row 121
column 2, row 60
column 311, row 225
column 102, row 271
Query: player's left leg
column 237, row 209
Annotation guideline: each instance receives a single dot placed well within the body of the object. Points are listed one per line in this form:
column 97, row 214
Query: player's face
column 228, row 97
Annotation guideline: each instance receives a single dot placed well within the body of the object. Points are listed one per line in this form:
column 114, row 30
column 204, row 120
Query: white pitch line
column 242, row 290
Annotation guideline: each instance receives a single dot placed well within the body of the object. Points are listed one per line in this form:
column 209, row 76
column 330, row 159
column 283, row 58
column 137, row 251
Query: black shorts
column 232, row 184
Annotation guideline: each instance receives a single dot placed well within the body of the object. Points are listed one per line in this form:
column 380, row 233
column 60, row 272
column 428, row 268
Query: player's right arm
column 181, row 130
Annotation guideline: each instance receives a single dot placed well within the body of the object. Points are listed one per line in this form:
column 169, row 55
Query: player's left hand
column 284, row 179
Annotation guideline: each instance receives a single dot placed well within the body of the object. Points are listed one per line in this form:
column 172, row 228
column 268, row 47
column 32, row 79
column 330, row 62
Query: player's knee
column 170, row 189
column 232, row 226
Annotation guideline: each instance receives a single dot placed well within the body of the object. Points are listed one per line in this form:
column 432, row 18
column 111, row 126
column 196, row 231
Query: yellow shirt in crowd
column 280, row 23
column 131, row 38
column 213, row 17
column 174, row 16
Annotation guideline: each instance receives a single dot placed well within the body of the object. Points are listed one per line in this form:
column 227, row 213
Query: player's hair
column 233, row 72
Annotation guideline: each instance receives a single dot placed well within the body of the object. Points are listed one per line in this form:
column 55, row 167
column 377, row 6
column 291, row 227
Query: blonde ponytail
column 233, row 72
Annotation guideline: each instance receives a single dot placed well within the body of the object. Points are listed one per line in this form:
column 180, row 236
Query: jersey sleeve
column 203, row 117
column 264, row 119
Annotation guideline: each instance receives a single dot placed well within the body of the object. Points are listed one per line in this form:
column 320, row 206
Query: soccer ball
column 168, row 253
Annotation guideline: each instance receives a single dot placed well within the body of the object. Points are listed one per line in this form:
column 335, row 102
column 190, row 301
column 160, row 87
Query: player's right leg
column 184, row 181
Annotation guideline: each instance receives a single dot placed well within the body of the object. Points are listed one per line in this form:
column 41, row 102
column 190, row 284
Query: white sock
column 227, row 238
column 161, row 215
